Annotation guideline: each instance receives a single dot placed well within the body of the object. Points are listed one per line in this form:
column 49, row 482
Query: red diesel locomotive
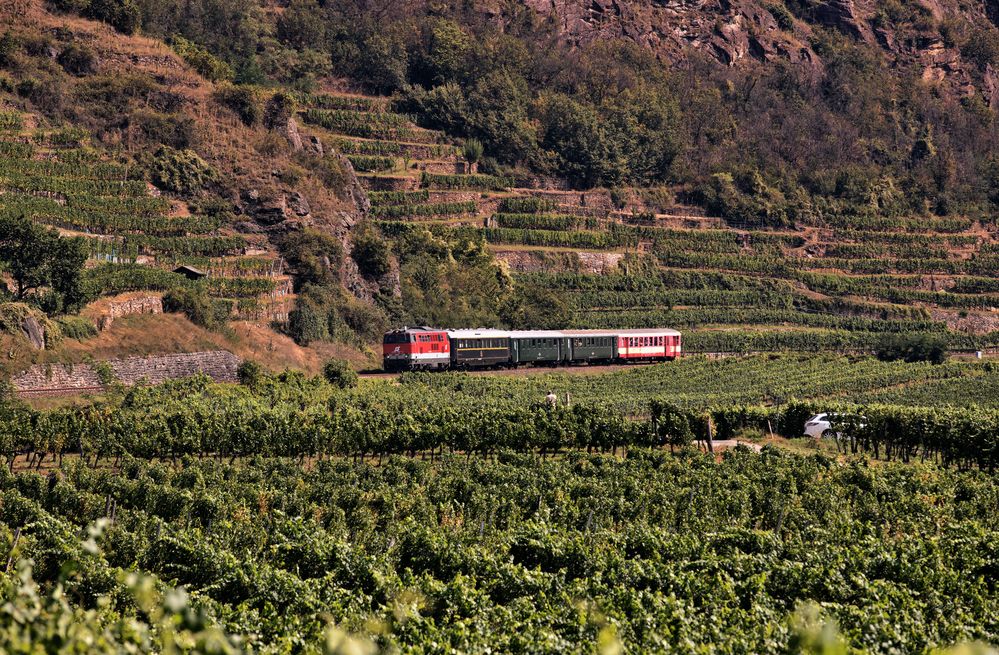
column 410, row 349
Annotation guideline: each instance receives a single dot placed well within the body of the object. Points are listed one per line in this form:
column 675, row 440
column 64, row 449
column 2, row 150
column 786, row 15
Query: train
column 427, row 348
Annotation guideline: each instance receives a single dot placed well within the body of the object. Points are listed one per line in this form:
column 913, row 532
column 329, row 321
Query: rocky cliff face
column 911, row 33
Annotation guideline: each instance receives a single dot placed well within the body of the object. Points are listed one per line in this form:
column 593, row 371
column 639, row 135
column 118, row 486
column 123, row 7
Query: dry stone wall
column 140, row 305
column 57, row 379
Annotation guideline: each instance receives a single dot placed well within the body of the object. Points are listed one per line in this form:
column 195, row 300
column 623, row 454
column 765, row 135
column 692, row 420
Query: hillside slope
column 734, row 194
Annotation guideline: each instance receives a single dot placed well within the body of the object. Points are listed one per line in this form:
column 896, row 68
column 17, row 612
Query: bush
column 200, row 59
column 782, row 16
column 198, row 307
column 78, row 60
column 76, row 327
column 174, row 130
column 249, row 373
column 912, row 348
column 370, row 252
column 338, row 373
column 472, row 150
column 180, row 171
column 314, row 256
column 307, row 322
column 242, row 101
column 123, row 15
column 279, row 110
column 982, row 47
column 8, row 49
column 383, row 63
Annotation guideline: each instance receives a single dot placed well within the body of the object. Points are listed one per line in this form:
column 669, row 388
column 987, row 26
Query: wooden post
column 711, row 446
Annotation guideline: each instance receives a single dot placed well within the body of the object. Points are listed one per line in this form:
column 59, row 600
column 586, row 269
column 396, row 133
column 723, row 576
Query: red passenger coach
column 411, row 349
column 648, row 344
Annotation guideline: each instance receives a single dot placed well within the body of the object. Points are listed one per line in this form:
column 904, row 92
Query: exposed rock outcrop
column 745, row 32
column 34, row 332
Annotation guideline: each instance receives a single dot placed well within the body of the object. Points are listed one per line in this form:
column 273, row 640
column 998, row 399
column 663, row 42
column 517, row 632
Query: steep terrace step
column 376, row 182
column 406, row 149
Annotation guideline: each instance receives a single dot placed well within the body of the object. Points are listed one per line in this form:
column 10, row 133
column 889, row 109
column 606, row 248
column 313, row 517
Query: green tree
column 383, row 63
column 576, row 133
column 913, row 348
column 37, row 258
column 442, row 57
column 301, row 25
column 200, row 59
column 370, row 252
column 123, row 15
column 314, row 256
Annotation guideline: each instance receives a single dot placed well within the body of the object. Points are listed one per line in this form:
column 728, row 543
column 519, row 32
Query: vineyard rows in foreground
column 655, row 552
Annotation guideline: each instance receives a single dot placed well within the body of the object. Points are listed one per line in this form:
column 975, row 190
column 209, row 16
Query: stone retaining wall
column 58, row 379
column 140, row 305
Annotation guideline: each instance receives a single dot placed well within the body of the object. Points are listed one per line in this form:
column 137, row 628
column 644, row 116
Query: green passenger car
column 591, row 346
column 538, row 347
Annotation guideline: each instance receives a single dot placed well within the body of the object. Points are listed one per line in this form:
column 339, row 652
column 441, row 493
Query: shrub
column 279, row 110
column 8, row 48
column 198, row 307
column 370, row 252
column 383, row 63
column 242, row 101
column 307, row 322
column 76, row 327
column 174, row 130
column 781, row 15
column 200, row 59
column 78, row 60
column 982, row 47
column 338, row 373
column 314, row 256
column 180, row 171
column 249, row 373
column 472, row 150
column 618, row 198
column 123, row 15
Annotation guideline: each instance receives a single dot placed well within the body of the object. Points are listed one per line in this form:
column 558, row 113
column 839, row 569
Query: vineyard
column 824, row 267
column 135, row 236
column 457, row 512
column 832, row 281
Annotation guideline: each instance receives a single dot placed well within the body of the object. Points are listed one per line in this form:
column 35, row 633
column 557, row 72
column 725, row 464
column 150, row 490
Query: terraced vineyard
column 136, row 236
column 627, row 259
